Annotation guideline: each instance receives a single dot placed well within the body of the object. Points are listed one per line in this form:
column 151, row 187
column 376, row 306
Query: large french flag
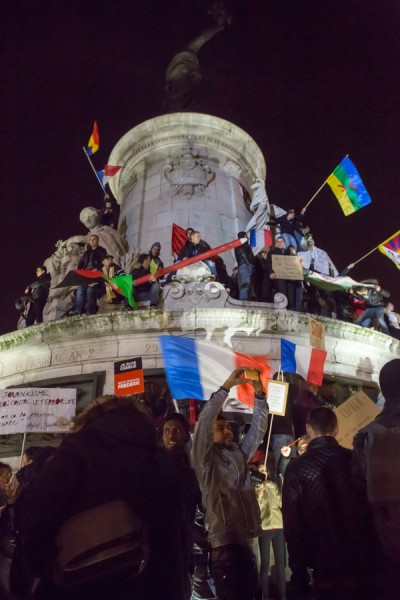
column 259, row 238
column 196, row 369
column 304, row 360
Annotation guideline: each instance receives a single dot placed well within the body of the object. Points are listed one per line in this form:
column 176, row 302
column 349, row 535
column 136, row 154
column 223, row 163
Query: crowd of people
column 204, row 508
column 253, row 278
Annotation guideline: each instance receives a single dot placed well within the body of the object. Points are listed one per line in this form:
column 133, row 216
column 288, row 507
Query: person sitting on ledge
column 149, row 290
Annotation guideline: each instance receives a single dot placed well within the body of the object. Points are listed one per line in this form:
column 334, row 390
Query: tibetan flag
column 107, row 173
column 178, row 238
column 94, row 141
column 391, row 248
column 304, row 360
column 260, row 238
column 345, row 182
column 196, row 369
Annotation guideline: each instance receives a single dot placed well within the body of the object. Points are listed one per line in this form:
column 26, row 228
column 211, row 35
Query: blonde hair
column 104, row 404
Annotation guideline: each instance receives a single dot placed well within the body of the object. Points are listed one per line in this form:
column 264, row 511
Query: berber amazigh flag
column 345, row 182
column 303, row 360
column 195, row 368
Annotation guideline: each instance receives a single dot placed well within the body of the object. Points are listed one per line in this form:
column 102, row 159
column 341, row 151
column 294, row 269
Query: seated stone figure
column 109, row 238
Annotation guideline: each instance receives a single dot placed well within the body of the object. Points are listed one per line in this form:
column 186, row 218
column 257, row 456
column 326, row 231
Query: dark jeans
column 35, row 312
column 373, row 312
column 87, row 296
column 277, row 538
column 235, row 572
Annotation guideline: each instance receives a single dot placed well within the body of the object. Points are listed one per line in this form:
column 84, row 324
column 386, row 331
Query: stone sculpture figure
column 183, row 75
column 109, row 238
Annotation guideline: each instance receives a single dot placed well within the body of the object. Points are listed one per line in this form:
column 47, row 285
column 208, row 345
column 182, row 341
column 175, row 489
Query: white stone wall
column 149, row 202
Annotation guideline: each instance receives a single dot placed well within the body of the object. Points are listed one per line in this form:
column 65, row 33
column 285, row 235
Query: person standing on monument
column 38, row 292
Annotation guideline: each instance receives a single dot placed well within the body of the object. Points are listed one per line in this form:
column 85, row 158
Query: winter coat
column 231, row 510
column 322, row 514
column 244, row 255
column 113, row 457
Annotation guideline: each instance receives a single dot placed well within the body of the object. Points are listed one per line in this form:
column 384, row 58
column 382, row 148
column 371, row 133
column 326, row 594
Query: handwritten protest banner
column 317, row 334
column 277, row 396
column 287, row 267
column 352, row 415
column 25, row 410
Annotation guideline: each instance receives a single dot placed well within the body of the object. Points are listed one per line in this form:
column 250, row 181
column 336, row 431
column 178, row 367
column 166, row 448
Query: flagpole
column 312, row 198
column 94, row 170
column 365, row 255
column 318, row 190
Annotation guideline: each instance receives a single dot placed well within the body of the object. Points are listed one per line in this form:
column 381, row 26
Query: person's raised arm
column 259, row 422
column 203, row 435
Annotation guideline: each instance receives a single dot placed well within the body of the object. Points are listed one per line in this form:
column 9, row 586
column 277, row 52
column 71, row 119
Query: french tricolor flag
column 304, row 360
column 196, row 369
column 259, row 238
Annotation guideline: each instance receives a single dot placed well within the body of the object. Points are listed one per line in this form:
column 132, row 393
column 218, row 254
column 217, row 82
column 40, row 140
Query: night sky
column 309, row 80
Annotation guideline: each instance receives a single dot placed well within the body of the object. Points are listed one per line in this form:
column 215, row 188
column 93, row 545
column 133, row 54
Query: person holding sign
column 231, row 510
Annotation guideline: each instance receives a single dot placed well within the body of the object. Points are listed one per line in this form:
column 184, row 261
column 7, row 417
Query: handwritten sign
column 277, row 396
column 317, row 334
column 287, row 267
column 24, row 410
column 352, row 415
column 128, row 377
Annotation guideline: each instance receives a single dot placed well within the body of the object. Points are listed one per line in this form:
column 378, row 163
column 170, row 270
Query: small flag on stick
column 107, row 173
column 260, row 238
column 94, row 141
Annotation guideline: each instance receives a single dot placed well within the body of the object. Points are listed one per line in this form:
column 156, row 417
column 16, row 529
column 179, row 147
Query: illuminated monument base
column 193, row 170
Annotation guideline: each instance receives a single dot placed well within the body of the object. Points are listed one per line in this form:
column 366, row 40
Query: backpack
column 382, row 454
column 107, row 541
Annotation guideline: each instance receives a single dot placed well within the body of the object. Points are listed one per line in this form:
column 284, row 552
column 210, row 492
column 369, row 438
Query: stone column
column 186, row 168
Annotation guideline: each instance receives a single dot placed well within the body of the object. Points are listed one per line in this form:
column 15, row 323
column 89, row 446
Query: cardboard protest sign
column 317, row 334
column 26, row 410
column 287, row 267
column 277, row 396
column 352, row 415
column 128, row 377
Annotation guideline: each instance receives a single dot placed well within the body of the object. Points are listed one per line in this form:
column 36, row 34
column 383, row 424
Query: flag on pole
column 88, row 277
column 195, row 369
column 94, row 141
column 332, row 284
column 391, row 248
column 259, row 238
column 105, row 174
column 304, row 360
column 178, row 238
column 345, row 182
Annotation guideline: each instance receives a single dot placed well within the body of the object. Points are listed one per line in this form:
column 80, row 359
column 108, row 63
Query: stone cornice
column 178, row 130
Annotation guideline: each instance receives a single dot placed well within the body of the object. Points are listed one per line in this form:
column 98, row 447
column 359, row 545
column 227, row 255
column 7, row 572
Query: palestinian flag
column 123, row 283
column 332, row 284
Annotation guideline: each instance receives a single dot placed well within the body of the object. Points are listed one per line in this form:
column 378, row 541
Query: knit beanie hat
column 389, row 379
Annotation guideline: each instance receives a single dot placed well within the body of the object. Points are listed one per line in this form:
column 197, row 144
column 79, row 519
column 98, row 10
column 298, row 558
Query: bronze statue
column 183, row 75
